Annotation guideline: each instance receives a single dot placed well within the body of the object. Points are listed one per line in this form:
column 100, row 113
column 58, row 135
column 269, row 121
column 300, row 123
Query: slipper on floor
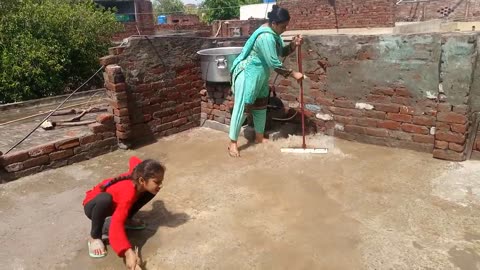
column 92, row 247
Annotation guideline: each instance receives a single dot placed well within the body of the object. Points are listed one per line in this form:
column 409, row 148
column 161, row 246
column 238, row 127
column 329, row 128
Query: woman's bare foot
column 233, row 150
column 259, row 138
column 96, row 248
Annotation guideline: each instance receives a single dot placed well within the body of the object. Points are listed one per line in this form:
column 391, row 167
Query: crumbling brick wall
column 232, row 28
column 456, row 10
column 154, row 86
column 320, row 14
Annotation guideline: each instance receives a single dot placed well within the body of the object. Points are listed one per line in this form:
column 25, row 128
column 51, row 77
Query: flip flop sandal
column 93, row 247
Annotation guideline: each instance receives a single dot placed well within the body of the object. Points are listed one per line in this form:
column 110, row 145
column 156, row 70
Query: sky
column 191, row 1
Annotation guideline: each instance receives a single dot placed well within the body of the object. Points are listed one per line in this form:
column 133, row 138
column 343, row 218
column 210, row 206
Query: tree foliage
column 224, row 9
column 168, row 7
column 48, row 45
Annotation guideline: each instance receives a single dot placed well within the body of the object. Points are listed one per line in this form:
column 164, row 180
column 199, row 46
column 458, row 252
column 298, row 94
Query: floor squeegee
column 303, row 149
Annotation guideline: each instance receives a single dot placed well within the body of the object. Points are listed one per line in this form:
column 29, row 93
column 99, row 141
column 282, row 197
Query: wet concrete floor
column 358, row 207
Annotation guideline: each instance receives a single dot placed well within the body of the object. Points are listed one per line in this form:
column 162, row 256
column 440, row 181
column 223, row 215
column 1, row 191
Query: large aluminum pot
column 216, row 63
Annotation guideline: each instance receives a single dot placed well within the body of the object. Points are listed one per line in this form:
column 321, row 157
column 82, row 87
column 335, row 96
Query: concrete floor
column 358, row 207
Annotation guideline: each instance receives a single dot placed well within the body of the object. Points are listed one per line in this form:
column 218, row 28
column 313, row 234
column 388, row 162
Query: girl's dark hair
column 146, row 169
column 278, row 15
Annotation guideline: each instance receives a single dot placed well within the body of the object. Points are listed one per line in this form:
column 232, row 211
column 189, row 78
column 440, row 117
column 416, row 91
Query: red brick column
column 217, row 103
column 451, row 132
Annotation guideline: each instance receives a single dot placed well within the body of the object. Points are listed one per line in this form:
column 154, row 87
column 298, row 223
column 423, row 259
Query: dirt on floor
column 357, row 207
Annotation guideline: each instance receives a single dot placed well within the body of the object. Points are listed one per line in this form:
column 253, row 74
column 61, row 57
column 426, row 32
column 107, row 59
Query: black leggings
column 100, row 208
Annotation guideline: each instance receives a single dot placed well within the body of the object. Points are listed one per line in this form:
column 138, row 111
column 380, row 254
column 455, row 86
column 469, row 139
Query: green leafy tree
column 223, row 9
column 47, row 46
column 168, row 7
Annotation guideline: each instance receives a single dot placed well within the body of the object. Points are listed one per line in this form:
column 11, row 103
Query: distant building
column 136, row 16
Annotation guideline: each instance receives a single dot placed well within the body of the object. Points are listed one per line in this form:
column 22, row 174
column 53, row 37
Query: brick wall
column 385, row 89
column 230, row 28
column 154, row 86
column 319, row 14
column 203, row 30
column 456, row 10
column 60, row 153
column 183, row 19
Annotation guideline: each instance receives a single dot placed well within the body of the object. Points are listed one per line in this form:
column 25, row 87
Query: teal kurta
column 251, row 73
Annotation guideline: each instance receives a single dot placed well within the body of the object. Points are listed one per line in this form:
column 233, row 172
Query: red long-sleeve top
column 124, row 195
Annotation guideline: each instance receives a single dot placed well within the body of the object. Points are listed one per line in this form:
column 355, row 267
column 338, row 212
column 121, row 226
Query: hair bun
column 272, row 14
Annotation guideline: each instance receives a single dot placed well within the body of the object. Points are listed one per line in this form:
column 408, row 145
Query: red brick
column 41, row 150
column 400, row 135
column 459, row 128
column 68, row 143
column 61, row 154
column 344, row 119
column 461, row 109
column 346, row 112
column 403, row 92
column 89, row 139
column 354, row 129
column 444, row 107
column 37, row 161
column 415, row 129
column 118, row 87
column 15, row 157
column 407, row 110
column 375, row 114
column 379, row 98
column 99, row 128
column 117, row 104
column 450, row 137
column 324, row 101
column 109, row 60
column 448, row 155
column 170, row 118
column 388, row 124
column 367, row 122
column 441, row 144
column 383, row 91
column 344, row 104
column 443, row 126
column 105, row 119
column 456, row 147
column 123, row 135
column 14, row 167
column 423, row 138
column 121, row 112
column 451, row 117
column 424, row 120
column 401, row 100
column 377, row 132
column 393, row 108
column 399, row 117
column 203, row 92
column 180, row 122
column 286, row 82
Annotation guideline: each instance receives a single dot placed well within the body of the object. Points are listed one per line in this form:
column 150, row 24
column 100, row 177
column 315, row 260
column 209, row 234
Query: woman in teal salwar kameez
column 251, row 73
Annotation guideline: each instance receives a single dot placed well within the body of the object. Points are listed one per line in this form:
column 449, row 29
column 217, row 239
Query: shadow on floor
column 157, row 217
